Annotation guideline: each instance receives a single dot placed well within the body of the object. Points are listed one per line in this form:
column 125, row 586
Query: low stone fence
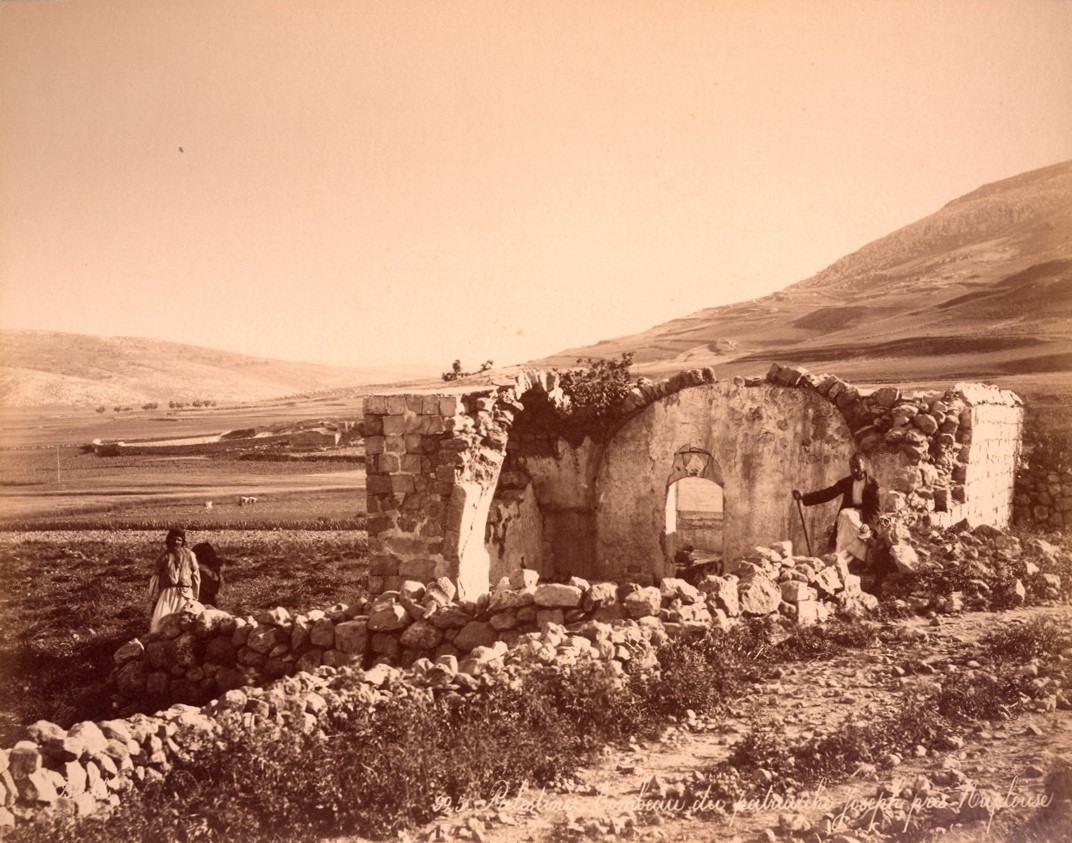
column 195, row 657
column 1043, row 499
column 421, row 640
column 420, row 635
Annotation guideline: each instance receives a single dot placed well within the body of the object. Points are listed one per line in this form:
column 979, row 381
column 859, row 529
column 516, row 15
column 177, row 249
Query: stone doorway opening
column 695, row 507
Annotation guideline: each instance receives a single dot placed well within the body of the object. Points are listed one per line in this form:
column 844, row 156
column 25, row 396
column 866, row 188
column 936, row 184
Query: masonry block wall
column 1044, row 480
column 1044, row 498
column 945, row 455
column 993, row 454
column 432, row 464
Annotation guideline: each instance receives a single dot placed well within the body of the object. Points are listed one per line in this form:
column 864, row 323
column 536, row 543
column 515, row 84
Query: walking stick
column 800, row 509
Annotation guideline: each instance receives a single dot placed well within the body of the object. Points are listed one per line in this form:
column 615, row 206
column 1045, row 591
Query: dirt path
column 643, row 791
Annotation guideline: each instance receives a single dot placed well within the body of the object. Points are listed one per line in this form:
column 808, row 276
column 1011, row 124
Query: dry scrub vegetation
column 377, row 772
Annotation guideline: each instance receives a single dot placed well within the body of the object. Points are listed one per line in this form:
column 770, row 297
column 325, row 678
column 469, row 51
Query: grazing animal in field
column 208, row 504
column 211, row 573
column 247, row 500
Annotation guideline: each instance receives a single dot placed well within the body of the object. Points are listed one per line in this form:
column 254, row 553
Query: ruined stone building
column 479, row 485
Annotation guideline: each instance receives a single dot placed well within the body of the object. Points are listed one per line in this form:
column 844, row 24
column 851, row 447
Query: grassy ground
column 71, row 599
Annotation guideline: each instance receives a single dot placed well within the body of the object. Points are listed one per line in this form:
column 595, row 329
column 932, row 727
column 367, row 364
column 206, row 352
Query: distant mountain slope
column 44, row 367
column 981, row 287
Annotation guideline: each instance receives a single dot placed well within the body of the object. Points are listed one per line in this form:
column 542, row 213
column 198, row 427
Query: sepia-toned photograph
column 535, row 422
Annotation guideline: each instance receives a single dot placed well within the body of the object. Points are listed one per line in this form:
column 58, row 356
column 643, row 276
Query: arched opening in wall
column 695, row 504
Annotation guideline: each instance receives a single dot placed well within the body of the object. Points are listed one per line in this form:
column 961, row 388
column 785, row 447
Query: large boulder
column 643, row 602
column 827, row 580
column 388, row 618
column 130, row 651
column 678, row 589
column 475, row 634
column 351, row 637
column 421, row 635
column 904, row 556
column 723, row 592
column 759, row 595
column 557, row 596
column 794, row 591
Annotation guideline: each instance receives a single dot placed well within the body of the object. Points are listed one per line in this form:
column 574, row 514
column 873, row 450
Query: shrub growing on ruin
column 597, row 386
column 810, row 643
column 966, row 699
column 766, row 759
column 701, row 669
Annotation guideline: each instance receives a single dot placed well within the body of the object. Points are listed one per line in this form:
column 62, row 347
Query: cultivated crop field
column 71, row 598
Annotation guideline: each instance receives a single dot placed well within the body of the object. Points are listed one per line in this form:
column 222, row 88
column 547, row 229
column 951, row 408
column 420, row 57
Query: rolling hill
column 982, row 287
column 49, row 368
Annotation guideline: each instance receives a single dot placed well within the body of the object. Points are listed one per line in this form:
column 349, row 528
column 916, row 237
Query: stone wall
column 944, row 455
column 432, row 464
column 508, row 479
column 276, row 670
column 1043, row 499
column 990, row 454
column 761, row 441
column 197, row 656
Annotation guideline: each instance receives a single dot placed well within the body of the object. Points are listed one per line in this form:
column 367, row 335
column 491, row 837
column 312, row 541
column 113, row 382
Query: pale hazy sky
column 370, row 182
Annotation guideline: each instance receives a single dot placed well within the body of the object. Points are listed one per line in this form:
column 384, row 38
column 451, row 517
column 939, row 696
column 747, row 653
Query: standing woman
column 176, row 578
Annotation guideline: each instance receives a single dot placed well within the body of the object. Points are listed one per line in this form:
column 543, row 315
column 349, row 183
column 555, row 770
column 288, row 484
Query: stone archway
column 695, row 503
column 763, row 441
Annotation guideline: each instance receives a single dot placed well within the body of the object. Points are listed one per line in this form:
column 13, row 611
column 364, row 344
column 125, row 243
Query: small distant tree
column 149, row 405
column 455, row 372
column 101, row 408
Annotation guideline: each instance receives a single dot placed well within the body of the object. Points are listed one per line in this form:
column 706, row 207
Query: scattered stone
column 759, row 596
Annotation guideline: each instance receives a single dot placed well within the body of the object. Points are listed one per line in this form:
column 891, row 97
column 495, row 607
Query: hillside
column 49, row 368
column 982, row 287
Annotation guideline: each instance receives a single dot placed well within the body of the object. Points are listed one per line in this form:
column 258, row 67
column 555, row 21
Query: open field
column 62, row 487
column 77, row 425
column 71, row 599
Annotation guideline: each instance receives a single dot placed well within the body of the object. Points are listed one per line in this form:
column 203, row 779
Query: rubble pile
column 938, row 424
column 978, row 568
column 277, row 671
